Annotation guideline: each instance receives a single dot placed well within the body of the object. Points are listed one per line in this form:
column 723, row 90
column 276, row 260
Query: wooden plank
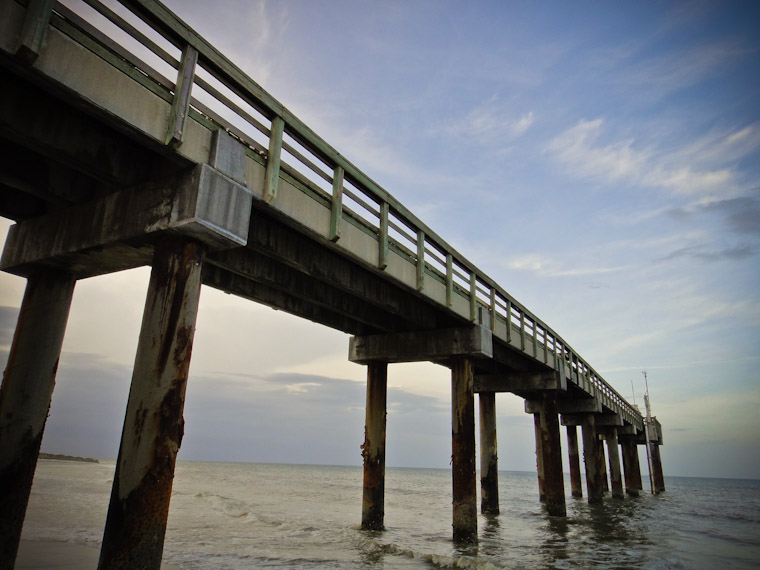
column 383, row 236
column 336, row 214
column 272, row 177
column 181, row 101
column 33, row 34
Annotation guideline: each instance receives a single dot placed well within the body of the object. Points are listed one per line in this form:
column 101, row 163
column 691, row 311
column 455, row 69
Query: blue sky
column 598, row 160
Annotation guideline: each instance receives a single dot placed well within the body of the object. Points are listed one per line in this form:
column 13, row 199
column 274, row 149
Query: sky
column 600, row 161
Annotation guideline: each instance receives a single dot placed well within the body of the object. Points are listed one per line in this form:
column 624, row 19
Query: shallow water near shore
column 242, row 515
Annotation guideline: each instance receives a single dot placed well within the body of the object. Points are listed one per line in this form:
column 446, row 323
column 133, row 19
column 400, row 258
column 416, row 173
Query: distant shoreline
column 59, row 457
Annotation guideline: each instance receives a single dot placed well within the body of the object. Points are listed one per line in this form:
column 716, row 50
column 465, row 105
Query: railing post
column 34, row 32
column 181, row 100
column 449, row 279
column 420, row 260
column 382, row 258
column 473, row 296
column 336, row 213
column 272, row 175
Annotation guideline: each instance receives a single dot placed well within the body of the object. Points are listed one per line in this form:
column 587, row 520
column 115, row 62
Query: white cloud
column 546, row 266
column 491, row 123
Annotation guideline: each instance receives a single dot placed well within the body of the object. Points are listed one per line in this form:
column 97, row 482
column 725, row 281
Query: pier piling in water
column 613, row 455
column 551, row 451
column 489, row 463
column 373, row 449
column 631, row 467
column 153, row 424
column 592, row 460
column 25, row 396
column 465, row 511
column 574, row 460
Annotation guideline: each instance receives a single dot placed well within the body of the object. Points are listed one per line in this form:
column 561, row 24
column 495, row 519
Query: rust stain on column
column 591, row 460
column 659, row 478
column 25, row 396
column 465, row 511
column 373, row 449
column 613, row 453
column 154, row 425
column 631, row 468
column 575, row 462
column 489, row 463
column 554, row 484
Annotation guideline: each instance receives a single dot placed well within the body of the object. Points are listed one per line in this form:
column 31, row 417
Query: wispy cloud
column 492, row 122
column 703, row 168
column 546, row 266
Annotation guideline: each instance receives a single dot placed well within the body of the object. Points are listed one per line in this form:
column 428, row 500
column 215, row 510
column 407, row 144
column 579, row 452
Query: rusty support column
column 551, row 450
column 539, row 457
column 575, row 462
column 631, row 468
column 613, row 456
column 153, row 425
column 489, row 463
column 659, row 479
column 465, row 504
column 373, row 449
column 25, row 396
column 591, row 449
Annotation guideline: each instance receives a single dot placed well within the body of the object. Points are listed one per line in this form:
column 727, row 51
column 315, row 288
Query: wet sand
column 39, row 555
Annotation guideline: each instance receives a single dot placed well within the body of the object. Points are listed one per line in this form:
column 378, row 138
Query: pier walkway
column 128, row 140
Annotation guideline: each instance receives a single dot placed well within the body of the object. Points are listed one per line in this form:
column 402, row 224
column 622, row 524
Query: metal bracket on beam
column 521, row 382
column 34, row 32
column 112, row 233
column 419, row 346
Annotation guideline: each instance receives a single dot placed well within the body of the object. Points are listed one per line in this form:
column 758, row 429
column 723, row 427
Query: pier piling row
column 138, row 172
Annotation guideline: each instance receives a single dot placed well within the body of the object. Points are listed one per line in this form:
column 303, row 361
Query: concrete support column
column 489, row 464
column 575, row 462
column 591, row 460
column 613, row 456
column 631, row 468
column 465, row 506
column 551, row 450
column 153, row 425
column 539, row 457
column 25, row 395
column 603, row 464
column 373, row 449
column 658, row 479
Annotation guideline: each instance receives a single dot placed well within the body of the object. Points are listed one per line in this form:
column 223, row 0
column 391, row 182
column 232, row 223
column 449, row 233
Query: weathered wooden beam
column 153, row 425
column 551, row 452
column 109, row 234
column 520, row 382
column 178, row 114
column 585, row 406
column 373, row 448
column 382, row 261
column 418, row 346
column 25, row 396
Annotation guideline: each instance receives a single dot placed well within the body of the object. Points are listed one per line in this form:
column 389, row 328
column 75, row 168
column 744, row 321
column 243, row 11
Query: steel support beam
column 575, row 463
column 154, row 425
column 465, row 506
column 25, row 395
column 593, row 459
column 489, row 463
column 373, row 449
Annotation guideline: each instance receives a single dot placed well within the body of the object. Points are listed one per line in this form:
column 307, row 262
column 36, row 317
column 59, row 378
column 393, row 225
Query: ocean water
column 239, row 516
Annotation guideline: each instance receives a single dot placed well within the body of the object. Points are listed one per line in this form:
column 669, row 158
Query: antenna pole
column 647, row 431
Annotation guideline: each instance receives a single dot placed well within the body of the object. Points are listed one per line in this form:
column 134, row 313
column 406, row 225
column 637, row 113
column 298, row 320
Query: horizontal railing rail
column 177, row 64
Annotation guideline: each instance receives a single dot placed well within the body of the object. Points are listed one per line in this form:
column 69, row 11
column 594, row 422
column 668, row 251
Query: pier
column 110, row 164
